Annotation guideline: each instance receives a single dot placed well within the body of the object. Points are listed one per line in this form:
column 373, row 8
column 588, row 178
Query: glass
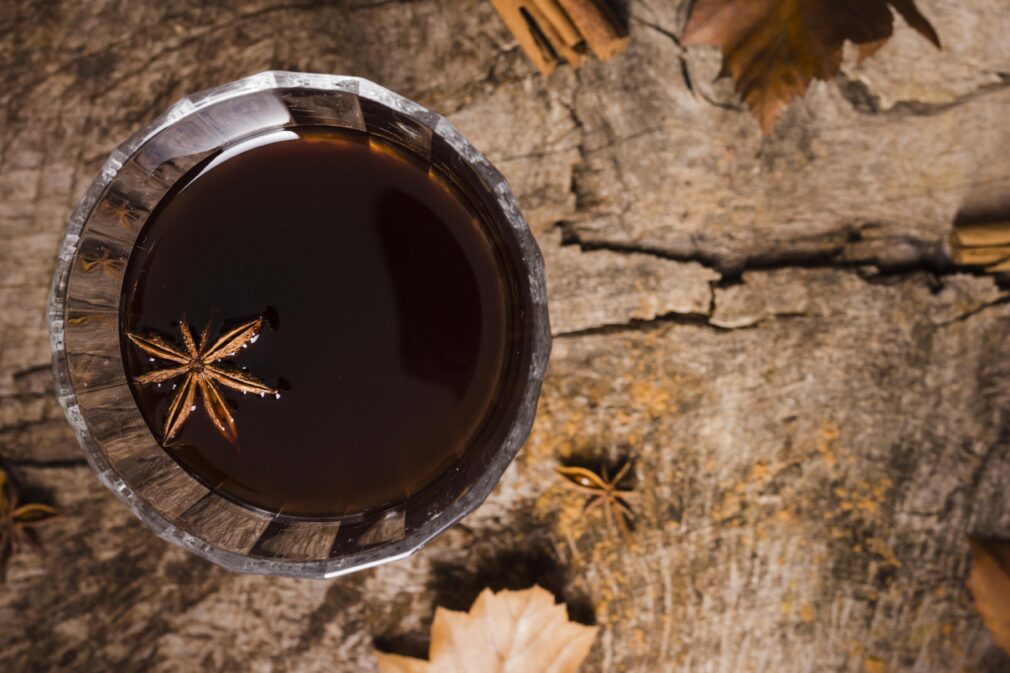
column 85, row 310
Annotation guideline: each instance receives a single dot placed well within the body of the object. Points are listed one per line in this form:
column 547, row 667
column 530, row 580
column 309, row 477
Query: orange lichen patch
column 884, row 551
column 926, row 633
column 874, row 665
column 729, row 507
column 825, row 442
column 559, row 428
column 807, row 613
column 759, row 471
column 652, row 398
column 602, row 612
column 953, row 638
column 854, row 648
column 622, row 417
column 881, row 488
column 865, row 498
column 571, row 521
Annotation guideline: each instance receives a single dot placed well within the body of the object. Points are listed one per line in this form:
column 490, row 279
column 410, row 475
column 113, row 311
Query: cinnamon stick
column 982, row 255
column 985, row 244
column 535, row 46
column 598, row 25
column 550, row 31
column 560, row 20
column 991, row 233
column 1001, row 267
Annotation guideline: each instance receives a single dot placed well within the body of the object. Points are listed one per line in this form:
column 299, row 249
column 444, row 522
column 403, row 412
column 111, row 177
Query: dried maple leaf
column 990, row 585
column 773, row 48
column 505, row 632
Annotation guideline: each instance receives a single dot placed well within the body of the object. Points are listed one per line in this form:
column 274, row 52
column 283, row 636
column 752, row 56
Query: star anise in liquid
column 202, row 369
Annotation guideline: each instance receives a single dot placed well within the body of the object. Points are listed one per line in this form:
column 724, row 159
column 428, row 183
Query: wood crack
column 864, row 101
column 685, row 68
column 932, row 267
column 644, row 325
column 931, row 259
column 1002, row 301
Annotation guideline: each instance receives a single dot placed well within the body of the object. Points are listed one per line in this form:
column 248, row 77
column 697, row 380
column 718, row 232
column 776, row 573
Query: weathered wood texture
column 817, row 402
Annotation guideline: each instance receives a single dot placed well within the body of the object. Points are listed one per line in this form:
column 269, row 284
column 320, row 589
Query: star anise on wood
column 603, row 492
column 201, row 368
column 15, row 519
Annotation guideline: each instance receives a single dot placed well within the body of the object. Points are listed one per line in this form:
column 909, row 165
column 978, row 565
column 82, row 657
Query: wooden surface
column 817, row 402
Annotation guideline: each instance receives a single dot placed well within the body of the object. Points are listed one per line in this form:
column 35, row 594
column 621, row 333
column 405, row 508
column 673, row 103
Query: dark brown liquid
column 385, row 320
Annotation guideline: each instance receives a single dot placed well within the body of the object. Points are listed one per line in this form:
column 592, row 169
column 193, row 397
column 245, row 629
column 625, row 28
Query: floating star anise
column 15, row 519
column 201, row 367
column 604, row 493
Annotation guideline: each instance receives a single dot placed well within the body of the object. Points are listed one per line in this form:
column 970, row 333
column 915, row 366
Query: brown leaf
column 773, row 48
column 504, row 632
column 990, row 585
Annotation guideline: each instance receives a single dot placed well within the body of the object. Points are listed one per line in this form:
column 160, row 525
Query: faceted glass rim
column 190, row 529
